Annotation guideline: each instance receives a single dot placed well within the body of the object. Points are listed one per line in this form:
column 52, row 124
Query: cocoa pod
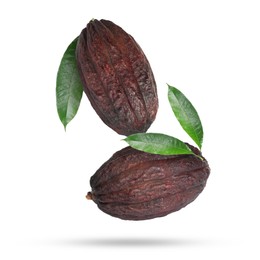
column 135, row 185
column 117, row 77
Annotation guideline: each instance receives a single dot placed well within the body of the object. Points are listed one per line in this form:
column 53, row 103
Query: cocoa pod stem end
column 89, row 196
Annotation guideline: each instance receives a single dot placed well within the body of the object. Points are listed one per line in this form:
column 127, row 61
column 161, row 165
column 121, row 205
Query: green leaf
column 157, row 144
column 186, row 115
column 68, row 86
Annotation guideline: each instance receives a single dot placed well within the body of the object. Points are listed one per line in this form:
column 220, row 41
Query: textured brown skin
column 134, row 185
column 117, row 77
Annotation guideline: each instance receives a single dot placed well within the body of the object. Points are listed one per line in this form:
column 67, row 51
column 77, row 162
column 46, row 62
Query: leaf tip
column 200, row 157
column 64, row 125
column 169, row 86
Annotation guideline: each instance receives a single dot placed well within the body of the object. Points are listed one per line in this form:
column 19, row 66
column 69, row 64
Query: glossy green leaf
column 68, row 86
column 186, row 115
column 157, row 144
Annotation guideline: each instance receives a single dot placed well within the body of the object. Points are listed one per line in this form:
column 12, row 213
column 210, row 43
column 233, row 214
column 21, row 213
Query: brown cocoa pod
column 135, row 185
column 117, row 77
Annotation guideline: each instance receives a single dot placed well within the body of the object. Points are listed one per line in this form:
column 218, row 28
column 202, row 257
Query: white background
column 210, row 50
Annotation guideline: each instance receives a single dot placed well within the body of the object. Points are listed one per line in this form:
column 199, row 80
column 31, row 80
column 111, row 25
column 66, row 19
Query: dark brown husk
column 135, row 185
column 117, row 77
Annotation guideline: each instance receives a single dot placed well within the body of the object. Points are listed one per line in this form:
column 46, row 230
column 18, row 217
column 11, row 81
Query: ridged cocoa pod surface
column 117, row 77
column 135, row 185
